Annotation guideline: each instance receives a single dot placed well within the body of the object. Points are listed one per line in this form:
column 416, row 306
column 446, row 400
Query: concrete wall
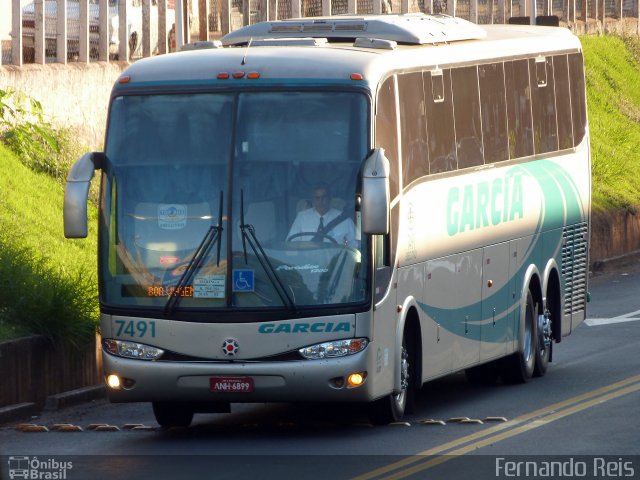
column 74, row 95
column 614, row 234
column 33, row 368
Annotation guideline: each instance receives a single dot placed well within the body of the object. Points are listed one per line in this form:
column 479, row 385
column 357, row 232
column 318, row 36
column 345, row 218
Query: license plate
column 231, row 384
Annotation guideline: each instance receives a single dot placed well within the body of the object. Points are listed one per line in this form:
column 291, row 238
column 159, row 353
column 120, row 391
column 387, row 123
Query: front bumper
column 284, row 381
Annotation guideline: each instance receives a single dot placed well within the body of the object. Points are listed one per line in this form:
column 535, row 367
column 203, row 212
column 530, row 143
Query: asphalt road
column 584, row 415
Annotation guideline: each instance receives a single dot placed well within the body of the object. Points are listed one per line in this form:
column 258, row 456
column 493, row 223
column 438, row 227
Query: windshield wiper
column 212, row 237
column 249, row 235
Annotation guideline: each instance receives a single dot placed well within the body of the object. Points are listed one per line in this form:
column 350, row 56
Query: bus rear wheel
column 172, row 414
column 543, row 350
column 519, row 367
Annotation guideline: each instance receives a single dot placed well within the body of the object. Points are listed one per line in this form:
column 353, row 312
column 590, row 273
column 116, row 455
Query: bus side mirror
column 76, row 194
column 375, row 194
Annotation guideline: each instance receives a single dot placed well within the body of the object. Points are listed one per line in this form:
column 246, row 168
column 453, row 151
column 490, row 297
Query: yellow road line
column 511, row 424
column 516, row 431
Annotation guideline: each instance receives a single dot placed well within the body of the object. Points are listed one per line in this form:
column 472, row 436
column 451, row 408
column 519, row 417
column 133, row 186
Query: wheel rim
column 544, row 332
column 401, row 398
column 527, row 352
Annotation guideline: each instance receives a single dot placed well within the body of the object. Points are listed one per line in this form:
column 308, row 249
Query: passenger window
column 543, row 103
column 494, row 112
column 578, row 104
column 440, row 122
column 563, row 101
column 386, row 129
column 413, row 127
column 518, row 108
column 466, row 102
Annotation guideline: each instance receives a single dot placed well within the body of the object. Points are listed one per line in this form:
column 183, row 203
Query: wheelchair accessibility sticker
column 243, row 281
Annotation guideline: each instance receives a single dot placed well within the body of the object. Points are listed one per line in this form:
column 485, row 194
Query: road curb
column 22, row 411
column 18, row 412
column 74, row 397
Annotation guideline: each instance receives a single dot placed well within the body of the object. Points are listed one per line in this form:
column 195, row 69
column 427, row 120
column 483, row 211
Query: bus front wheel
column 391, row 408
column 172, row 414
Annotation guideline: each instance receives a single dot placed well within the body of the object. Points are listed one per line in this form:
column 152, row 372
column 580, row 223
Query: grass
column 612, row 67
column 47, row 283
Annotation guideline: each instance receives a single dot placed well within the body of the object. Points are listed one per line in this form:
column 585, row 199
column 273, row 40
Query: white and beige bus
column 450, row 165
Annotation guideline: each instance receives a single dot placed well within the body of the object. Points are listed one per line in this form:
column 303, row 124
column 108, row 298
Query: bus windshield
column 233, row 200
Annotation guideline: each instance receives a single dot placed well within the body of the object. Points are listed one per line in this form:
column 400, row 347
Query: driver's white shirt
column 308, row 220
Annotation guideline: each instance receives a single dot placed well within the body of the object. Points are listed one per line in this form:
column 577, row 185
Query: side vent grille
column 574, row 267
column 318, row 27
column 351, row 27
column 284, row 28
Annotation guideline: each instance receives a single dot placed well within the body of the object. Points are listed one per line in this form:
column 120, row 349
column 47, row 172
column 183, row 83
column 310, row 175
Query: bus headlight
column 337, row 348
column 126, row 349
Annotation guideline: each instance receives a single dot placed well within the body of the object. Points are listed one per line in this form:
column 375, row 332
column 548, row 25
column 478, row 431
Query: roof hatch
column 413, row 28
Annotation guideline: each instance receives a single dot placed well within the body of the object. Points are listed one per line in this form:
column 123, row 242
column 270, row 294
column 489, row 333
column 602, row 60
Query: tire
column 519, row 367
column 543, row 350
column 391, row 408
column 170, row 414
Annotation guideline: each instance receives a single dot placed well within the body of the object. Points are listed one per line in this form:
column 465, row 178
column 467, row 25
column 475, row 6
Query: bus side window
column 466, row 102
column 382, row 259
column 387, row 138
column 439, row 107
column 494, row 112
column 387, row 128
column 543, row 104
column 578, row 106
column 563, row 101
column 518, row 108
column 413, row 127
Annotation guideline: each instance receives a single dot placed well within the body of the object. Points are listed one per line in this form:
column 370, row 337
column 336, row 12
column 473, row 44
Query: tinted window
column 518, row 108
column 578, row 106
column 563, row 101
column 386, row 129
column 415, row 156
column 440, row 122
column 494, row 112
column 545, row 130
column 466, row 98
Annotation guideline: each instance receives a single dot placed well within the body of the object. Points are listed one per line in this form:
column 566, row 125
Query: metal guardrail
column 85, row 30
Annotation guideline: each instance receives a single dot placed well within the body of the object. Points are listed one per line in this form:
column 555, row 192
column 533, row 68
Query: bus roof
column 269, row 49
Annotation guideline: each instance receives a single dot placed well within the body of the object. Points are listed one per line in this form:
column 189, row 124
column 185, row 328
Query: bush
column 39, row 145
column 36, row 297
column 48, row 284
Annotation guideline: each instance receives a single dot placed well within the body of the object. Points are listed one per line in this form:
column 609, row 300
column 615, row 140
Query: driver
column 322, row 222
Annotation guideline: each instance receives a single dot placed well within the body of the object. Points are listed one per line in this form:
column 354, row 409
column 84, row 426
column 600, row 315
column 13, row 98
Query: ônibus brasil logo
column 38, row 469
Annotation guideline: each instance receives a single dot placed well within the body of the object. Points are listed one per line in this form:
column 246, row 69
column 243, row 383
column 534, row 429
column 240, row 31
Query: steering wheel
column 312, row 234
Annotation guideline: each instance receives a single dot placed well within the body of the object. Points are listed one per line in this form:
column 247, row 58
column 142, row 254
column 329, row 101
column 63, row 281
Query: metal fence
column 104, row 30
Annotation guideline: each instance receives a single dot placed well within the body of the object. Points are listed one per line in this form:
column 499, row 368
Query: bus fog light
column 113, row 381
column 126, row 349
column 356, row 379
column 337, row 348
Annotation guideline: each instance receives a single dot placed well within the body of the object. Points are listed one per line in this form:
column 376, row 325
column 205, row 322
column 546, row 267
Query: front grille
column 179, row 357
column 574, row 267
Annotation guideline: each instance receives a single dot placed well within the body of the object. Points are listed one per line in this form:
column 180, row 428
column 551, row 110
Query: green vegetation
column 613, row 99
column 48, row 283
